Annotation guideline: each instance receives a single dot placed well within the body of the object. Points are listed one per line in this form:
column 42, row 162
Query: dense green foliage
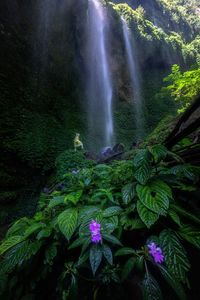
column 145, row 29
column 162, row 130
column 183, row 87
column 71, row 160
column 179, row 15
column 135, row 201
column 183, row 11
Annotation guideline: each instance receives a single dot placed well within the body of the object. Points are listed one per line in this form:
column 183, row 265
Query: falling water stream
column 134, row 78
column 100, row 90
column 99, row 84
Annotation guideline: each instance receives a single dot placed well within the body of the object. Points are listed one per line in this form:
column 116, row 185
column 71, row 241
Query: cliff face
column 44, row 72
column 40, row 84
column 175, row 15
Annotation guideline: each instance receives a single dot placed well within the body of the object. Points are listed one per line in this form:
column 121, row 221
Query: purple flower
column 95, row 229
column 74, row 172
column 156, row 252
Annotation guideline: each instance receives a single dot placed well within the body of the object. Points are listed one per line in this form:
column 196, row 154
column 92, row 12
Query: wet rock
column 118, row 148
column 107, row 151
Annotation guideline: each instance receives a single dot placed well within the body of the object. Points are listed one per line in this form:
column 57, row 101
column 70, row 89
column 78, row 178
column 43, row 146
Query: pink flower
column 156, row 252
column 95, row 229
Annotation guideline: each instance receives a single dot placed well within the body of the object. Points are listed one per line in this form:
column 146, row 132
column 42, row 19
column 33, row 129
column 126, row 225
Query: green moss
column 71, row 160
column 162, row 130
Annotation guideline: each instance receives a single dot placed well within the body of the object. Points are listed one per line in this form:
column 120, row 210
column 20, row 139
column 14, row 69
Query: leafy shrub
column 134, row 210
column 148, row 32
column 162, row 130
column 183, row 87
column 71, row 160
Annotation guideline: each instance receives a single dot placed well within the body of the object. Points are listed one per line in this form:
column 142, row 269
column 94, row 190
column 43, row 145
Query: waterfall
column 99, row 87
column 133, row 69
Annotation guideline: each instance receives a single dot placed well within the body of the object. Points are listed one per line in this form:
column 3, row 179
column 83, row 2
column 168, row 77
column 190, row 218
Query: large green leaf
column 18, row 254
column 33, row 228
column 95, row 257
column 112, row 239
column 82, row 258
column 174, row 216
column 128, row 193
column 142, row 156
column 19, row 227
column 88, row 213
column 150, row 288
column 159, row 152
column 175, row 255
column 44, row 233
column 103, row 194
column 128, row 267
column 155, row 196
column 112, row 211
column 77, row 243
column 108, row 225
column 10, row 242
column 139, row 263
column 67, row 222
column 142, row 165
column 73, row 197
column 86, row 244
column 186, row 170
column 190, row 234
column 57, row 200
column 181, row 211
column 176, row 286
column 143, row 173
column 146, row 215
column 124, row 251
column 107, row 253
column 129, row 222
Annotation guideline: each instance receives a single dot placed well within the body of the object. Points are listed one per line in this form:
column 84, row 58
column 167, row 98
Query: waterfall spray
column 134, row 78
